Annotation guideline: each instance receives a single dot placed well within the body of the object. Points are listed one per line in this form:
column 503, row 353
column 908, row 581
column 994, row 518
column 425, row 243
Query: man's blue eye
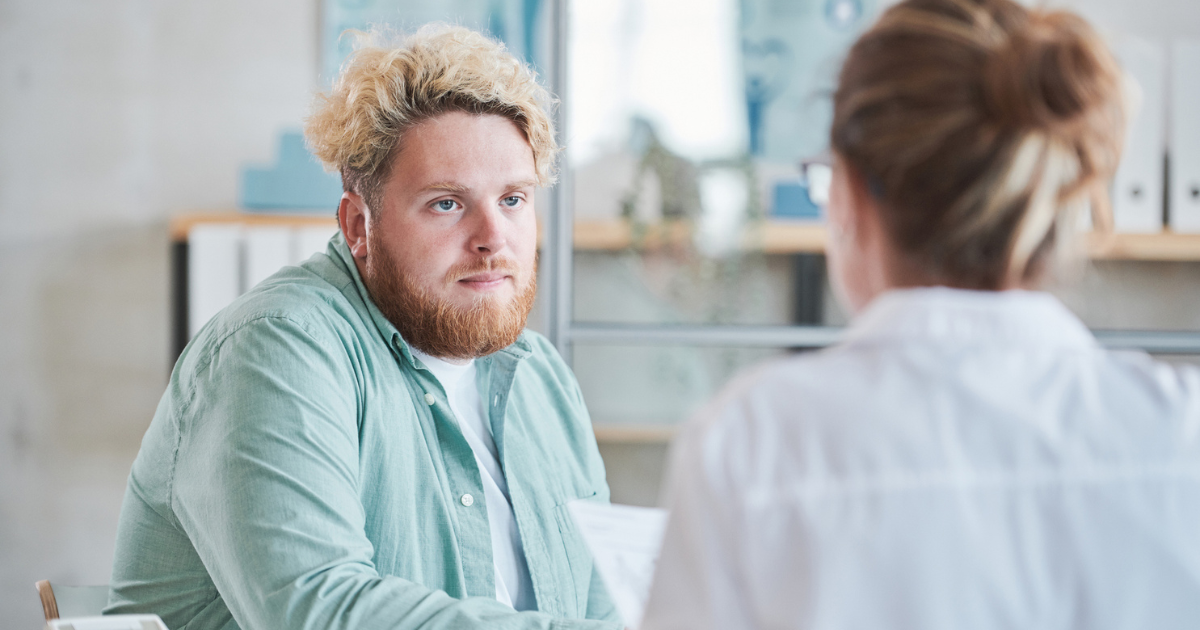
column 512, row 202
column 445, row 205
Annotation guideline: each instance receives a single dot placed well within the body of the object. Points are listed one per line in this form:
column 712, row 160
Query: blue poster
column 792, row 51
column 514, row 22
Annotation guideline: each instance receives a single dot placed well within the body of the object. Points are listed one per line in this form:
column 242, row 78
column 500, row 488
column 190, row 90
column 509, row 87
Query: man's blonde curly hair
column 384, row 90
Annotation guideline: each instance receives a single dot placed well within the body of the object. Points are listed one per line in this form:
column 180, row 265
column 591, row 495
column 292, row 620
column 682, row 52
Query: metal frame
column 1153, row 341
column 812, row 337
column 563, row 331
column 560, row 234
column 700, row 335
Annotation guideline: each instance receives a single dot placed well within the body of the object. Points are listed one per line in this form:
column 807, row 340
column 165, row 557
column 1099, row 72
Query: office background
column 118, row 115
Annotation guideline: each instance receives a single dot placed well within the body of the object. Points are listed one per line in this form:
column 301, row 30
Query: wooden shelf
column 772, row 237
column 1163, row 246
column 634, row 433
column 181, row 224
column 782, row 237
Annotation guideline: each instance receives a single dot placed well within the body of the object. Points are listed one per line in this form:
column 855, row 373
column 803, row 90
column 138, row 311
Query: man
column 370, row 440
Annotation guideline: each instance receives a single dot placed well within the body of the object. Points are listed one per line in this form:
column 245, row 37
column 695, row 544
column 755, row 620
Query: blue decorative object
column 766, row 64
column 790, row 201
column 843, row 14
column 295, row 182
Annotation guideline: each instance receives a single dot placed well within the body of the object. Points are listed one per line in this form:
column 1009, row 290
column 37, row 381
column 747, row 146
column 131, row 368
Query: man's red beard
column 440, row 328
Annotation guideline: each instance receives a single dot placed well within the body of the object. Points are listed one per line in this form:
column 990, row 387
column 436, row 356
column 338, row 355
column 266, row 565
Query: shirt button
column 467, row 500
column 429, row 399
column 496, row 400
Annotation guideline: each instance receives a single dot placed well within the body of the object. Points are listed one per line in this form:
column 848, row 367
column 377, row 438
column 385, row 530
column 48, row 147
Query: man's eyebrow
column 446, row 187
column 452, row 187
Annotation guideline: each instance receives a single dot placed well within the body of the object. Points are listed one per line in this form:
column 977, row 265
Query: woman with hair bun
column 968, row 456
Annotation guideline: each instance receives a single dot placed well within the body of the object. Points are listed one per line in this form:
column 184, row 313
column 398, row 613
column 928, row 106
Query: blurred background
column 150, row 171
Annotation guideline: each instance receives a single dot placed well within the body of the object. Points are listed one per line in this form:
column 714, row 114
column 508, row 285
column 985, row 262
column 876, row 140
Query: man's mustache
column 483, row 265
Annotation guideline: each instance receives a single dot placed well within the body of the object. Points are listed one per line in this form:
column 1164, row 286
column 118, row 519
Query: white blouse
column 963, row 460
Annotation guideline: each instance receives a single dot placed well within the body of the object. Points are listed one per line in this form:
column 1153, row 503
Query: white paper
column 625, row 542
column 310, row 240
column 109, row 622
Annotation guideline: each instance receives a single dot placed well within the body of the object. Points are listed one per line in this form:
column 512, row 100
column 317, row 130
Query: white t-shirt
column 961, row 460
column 513, row 585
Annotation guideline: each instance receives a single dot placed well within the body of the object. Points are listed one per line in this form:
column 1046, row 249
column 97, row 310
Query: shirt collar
column 1013, row 317
column 339, row 251
column 446, row 372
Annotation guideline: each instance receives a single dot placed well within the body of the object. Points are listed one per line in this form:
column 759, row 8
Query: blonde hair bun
column 1048, row 74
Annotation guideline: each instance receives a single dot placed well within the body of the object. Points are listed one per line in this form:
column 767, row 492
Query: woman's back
column 964, row 460
column 969, row 457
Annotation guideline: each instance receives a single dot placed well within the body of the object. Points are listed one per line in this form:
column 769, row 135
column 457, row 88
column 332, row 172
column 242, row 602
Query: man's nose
column 488, row 230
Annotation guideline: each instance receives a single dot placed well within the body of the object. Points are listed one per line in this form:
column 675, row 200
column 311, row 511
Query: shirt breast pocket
column 579, row 559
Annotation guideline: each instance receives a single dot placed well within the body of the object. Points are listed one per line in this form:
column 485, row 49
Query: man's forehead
column 435, row 173
column 459, row 152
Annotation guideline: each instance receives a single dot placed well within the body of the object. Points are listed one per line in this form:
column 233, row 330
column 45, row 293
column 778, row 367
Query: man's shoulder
column 542, row 357
column 539, row 346
column 312, row 300
column 298, row 293
column 542, row 377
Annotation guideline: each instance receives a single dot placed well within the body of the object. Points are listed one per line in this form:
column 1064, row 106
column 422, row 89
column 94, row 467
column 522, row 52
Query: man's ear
column 353, row 220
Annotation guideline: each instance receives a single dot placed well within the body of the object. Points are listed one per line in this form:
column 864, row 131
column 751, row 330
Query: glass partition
column 686, row 123
column 652, row 386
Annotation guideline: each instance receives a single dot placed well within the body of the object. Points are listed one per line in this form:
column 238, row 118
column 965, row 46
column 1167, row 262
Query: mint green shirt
column 303, row 470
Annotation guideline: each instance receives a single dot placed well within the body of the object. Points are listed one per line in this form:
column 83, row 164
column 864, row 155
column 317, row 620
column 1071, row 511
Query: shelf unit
column 562, row 236
column 787, row 237
column 771, row 237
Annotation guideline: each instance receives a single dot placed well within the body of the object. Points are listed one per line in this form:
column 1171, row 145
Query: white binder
column 227, row 259
column 214, row 271
column 310, row 240
column 1184, row 196
column 1138, row 185
column 268, row 249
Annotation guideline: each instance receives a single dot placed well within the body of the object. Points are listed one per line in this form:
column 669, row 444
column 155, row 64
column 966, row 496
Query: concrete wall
column 117, row 114
column 114, row 115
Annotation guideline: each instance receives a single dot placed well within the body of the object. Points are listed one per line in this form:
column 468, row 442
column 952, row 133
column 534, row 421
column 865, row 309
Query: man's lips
column 486, row 280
